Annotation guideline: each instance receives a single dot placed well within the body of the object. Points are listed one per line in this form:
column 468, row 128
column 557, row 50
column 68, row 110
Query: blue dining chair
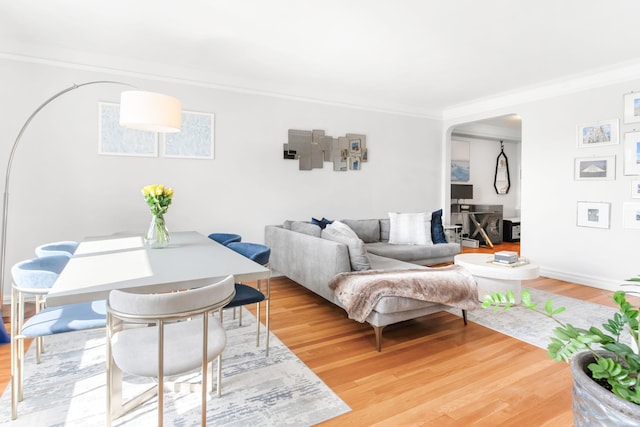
column 225, row 238
column 65, row 247
column 35, row 277
column 246, row 294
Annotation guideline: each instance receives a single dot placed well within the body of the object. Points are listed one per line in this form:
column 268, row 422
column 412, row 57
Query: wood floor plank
column 432, row 371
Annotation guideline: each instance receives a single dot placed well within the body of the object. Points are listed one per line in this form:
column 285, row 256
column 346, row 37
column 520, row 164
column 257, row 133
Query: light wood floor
column 432, row 371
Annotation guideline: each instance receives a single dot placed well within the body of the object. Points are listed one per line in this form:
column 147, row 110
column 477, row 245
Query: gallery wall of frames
column 597, row 214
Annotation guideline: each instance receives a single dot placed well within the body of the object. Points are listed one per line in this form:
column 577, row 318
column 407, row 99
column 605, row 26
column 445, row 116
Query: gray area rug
column 535, row 328
column 68, row 387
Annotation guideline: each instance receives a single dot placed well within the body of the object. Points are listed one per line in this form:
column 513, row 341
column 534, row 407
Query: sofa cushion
column 340, row 232
column 409, row 229
column 306, row 228
column 414, row 253
column 367, row 229
column 437, row 230
column 385, row 225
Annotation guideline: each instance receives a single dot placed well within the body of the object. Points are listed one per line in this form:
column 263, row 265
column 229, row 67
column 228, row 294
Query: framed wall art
column 460, row 161
column 632, row 153
column 631, row 215
column 195, row 139
column 632, row 107
column 115, row 140
column 593, row 214
column 312, row 148
column 597, row 134
column 595, row 168
column 635, row 189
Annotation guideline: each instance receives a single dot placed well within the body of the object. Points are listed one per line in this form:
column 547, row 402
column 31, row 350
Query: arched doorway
column 475, row 148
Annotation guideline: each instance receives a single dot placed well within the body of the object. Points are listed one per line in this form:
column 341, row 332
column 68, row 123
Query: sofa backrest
column 368, row 230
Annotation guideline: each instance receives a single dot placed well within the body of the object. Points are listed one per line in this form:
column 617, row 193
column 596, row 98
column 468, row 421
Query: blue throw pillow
column 437, row 230
column 322, row 223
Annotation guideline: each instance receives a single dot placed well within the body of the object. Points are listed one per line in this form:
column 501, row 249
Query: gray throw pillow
column 366, row 229
column 385, row 228
column 340, row 232
column 306, row 228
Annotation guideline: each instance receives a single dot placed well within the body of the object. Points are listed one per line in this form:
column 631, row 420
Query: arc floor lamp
column 148, row 111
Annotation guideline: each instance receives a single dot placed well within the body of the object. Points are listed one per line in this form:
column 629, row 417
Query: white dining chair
column 160, row 335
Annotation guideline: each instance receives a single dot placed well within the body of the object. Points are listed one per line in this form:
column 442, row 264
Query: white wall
column 550, row 237
column 62, row 189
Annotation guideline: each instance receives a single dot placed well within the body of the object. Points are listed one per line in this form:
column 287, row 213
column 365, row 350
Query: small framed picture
column 357, row 143
column 593, row 214
column 632, row 153
column 631, row 215
column 635, row 189
column 595, row 168
column 597, row 134
column 632, row 108
column 354, row 163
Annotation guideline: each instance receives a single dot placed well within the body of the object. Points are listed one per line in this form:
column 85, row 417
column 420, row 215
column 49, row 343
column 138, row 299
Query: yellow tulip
column 159, row 189
column 169, row 192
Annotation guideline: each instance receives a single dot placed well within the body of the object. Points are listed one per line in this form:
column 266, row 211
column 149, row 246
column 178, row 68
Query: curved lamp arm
column 5, row 211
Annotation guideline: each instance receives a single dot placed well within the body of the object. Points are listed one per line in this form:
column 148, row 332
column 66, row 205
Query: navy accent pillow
column 437, row 230
column 322, row 223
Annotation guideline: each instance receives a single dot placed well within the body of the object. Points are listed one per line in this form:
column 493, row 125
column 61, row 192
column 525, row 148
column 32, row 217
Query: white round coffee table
column 496, row 278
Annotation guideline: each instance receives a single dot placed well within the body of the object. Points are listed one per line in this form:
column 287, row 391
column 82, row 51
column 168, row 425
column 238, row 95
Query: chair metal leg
column 258, row 324
column 464, row 316
column 267, row 328
column 205, row 364
column 160, row 373
column 40, row 305
column 267, row 295
column 219, row 385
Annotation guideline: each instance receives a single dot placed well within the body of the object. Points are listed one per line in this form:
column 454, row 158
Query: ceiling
column 420, row 57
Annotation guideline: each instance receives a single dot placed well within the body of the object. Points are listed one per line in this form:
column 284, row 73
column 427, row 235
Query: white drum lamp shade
column 150, row 111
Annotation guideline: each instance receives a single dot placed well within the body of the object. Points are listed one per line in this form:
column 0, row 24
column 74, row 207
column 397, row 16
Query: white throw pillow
column 409, row 229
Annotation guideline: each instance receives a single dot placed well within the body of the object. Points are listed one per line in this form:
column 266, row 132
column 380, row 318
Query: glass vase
column 157, row 235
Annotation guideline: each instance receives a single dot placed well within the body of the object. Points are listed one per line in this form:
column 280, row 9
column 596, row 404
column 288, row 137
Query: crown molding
column 399, row 110
column 571, row 84
column 611, row 75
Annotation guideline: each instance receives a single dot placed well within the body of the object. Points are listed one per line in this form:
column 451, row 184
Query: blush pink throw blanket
column 360, row 291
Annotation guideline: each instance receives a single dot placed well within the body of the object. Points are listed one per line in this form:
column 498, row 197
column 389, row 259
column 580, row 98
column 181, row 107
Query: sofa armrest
column 311, row 261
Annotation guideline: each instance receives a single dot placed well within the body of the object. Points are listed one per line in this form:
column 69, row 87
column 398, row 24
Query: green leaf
column 548, row 308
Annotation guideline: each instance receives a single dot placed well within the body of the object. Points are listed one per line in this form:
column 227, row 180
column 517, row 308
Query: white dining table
column 102, row 264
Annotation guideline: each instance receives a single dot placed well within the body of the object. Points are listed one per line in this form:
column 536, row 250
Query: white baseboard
column 595, row 282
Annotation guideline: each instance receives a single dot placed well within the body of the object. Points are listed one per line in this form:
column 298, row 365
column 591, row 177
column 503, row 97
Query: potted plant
column 606, row 371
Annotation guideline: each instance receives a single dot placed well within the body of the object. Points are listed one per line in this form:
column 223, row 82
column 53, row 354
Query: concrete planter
column 594, row 405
